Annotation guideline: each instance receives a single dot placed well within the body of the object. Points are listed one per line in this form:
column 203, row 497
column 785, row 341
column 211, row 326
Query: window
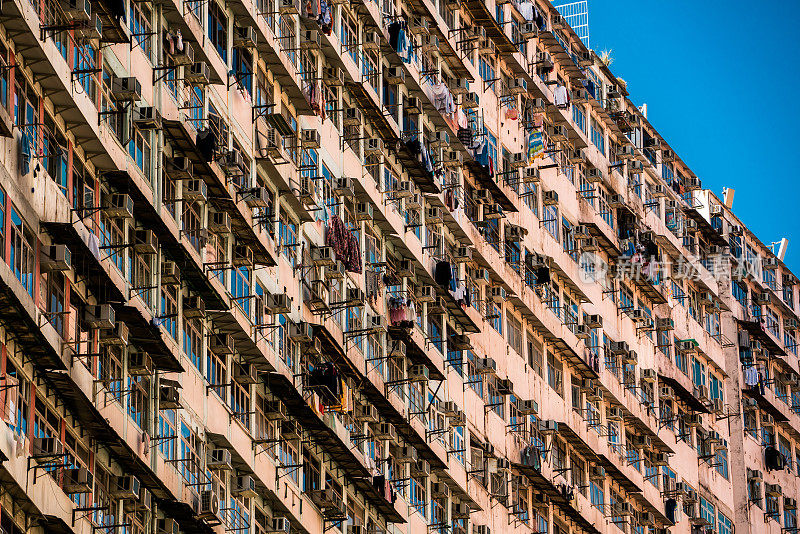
column 514, row 334
column 555, row 374
column 707, row 511
column 141, row 28
column 22, row 247
column 218, row 29
column 139, row 147
column 597, row 135
column 243, row 67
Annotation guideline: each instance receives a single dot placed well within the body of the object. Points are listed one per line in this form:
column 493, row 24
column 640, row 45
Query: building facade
column 369, row 267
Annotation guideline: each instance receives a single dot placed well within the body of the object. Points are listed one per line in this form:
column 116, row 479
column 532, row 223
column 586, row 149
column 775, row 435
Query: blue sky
column 720, row 80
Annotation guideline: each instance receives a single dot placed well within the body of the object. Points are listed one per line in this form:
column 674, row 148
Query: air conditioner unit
column 244, row 486
column 352, row 117
column 140, row 363
column 548, row 426
column 594, row 175
column 209, row 506
column 310, row 40
column 333, row 76
column 550, row 198
column 56, row 258
column 685, row 346
column 116, row 336
column 119, row 206
column 221, row 344
column 527, row 407
column 649, row 375
column 498, row 294
column 635, row 167
column 664, row 324
column 514, row 233
column 242, row 256
column 590, row 244
column 426, row 294
column 666, row 393
column 168, row 395
column 773, row 490
column 754, row 475
column 790, row 323
column 470, row 100
column 615, row 414
column 245, row 37
column 594, row 321
column 559, row 133
column 484, row 366
column 77, row 480
column 626, row 152
column 220, row 459
column 100, row 316
column 384, row 431
column 395, row 75
column 372, row 41
column 407, row 455
column 323, row 256
column 691, row 183
column 421, row 467
column 433, row 215
column 616, row 201
column 125, row 487
column 452, row 158
column 245, row 373
column 482, row 196
column 194, row 307
column 364, row 211
column 462, row 254
column 619, row 347
column 167, row 525
column 660, row 458
column 198, row 73
column 289, row 7
column 219, row 222
column 761, row 298
column 145, row 242
column 398, row 350
column 405, row 268
column 367, row 412
column 127, row 89
column 195, row 190
column 355, row 296
column 278, row 303
column 281, row 525
column 429, row 43
column 582, row 331
column 440, row 139
column 78, row 10
column 528, row 30
column 257, row 197
column 418, row 373
column 185, row 57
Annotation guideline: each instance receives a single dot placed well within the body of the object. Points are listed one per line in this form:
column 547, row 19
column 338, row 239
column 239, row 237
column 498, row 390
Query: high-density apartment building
column 356, row 267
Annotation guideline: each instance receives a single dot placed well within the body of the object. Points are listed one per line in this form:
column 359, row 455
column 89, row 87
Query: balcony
column 325, row 435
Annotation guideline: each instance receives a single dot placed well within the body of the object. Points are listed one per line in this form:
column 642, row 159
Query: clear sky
column 722, row 85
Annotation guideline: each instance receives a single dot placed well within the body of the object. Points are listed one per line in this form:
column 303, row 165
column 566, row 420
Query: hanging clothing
column 344, row 243
column 25, row 154
column 442, row 274
column 542, row 275
column 773, row 459
column 751, row 376
column 669, row 509
column 325, row 20
column 207, row 144
column 465, row 136
column 526, row 10
column 443, row 99
column 561, row 97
